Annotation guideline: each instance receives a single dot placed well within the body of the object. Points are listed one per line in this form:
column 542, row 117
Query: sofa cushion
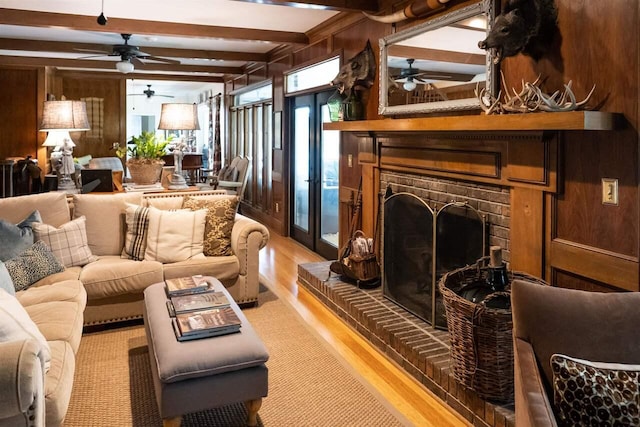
column 221, row 214
column 135, row 242
column 32, row 265
column 223, row 268
column 59, row 320
column 105, row 219
column 53, row 208
column 59, row 382
column 112, row 275
column 15, row 324
column 16, row 238
column 66, row 290
column 71, row 273
column 5, row 280
column 175, row 235
column 68, row 243
column 594, row 393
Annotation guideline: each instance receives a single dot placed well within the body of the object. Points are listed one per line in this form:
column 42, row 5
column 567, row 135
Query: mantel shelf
column 573, row 120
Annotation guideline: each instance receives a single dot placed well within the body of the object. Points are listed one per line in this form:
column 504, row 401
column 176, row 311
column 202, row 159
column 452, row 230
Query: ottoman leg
column 172, row 422
column 253, row 406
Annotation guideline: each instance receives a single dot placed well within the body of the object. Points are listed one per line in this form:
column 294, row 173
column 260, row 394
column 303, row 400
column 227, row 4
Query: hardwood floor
column 278, row 264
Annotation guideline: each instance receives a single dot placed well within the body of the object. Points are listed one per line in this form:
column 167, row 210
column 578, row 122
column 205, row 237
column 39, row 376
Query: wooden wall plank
column 526, row 238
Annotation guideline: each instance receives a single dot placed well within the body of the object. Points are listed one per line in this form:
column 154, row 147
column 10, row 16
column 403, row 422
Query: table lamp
column 178, row 117
column 58, row 118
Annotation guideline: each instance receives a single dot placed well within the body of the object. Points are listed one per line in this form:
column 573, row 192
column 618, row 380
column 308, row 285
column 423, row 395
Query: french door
column 314, row 175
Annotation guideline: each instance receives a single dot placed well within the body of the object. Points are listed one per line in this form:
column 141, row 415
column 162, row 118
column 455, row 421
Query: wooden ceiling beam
column 436, row 55
column 138, row 27
column 87, row 63
column 51, row 46
column 370, row 6
column 138, row 76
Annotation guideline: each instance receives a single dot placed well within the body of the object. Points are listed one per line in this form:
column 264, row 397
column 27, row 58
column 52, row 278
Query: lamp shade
column 179, row 117
column 64, row 115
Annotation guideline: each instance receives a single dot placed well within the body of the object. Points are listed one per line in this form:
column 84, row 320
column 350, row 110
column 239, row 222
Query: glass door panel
column 330, row 170
column 301, row 208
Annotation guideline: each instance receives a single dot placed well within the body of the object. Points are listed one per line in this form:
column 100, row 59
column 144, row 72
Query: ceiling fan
column 409, row 76
column 129, row 55
column 150, row 93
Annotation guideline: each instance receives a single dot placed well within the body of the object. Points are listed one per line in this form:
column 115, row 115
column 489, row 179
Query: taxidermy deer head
column 526, row 26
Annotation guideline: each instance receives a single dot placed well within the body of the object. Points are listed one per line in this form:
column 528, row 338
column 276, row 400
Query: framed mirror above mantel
column 437, row 65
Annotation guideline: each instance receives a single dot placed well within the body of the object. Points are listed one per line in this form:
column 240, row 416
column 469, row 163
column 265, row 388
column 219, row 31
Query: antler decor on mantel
column 531, row 99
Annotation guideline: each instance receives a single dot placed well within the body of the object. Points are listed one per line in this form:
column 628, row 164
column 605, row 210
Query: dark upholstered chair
column 600, row 327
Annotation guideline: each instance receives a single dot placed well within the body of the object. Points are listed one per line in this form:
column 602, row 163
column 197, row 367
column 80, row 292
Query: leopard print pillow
column 33, row 264
column 593, row 393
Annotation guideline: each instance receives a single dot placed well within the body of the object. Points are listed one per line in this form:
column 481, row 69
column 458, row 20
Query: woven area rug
column 308, row 384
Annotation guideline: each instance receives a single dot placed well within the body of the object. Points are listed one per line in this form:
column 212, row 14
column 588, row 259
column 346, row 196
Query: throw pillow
column 5, row 280
column 221, row 214
column 589, row 393
column 16, row 238
column 33, row 264
column 135, row 242
column 68, row 243
column 175, row 235
column 230, row 174
column 15, row 324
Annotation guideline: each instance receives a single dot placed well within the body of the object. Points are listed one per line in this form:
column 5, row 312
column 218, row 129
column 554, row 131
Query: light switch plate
column 609, row 191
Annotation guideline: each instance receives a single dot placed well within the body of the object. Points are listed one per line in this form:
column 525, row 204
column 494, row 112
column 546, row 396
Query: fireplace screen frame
column 436, row 214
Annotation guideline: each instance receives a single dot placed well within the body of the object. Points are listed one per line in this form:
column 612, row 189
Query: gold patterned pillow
column 593, row 393
column 221, row 214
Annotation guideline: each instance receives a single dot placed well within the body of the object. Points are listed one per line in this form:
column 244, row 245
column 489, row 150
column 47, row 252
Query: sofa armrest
column 247, row 238
column 21, row 381
column 533, row 407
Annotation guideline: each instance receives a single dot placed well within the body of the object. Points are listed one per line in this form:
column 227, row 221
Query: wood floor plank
column 279, row 265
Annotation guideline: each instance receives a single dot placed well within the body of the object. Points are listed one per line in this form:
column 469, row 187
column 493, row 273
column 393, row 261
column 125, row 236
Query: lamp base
column 66, row 184
column 177, row 182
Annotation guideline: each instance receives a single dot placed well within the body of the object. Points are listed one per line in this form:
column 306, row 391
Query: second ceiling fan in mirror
column 410, row 76
column 149, row 93
column 130, row 55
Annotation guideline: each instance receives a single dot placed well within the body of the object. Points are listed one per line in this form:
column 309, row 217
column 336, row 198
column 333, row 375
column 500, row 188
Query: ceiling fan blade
column 94, row 56
column 165, row 96
column 456, row 77
column 135, row 61
column 106, row 52
column 165, row 60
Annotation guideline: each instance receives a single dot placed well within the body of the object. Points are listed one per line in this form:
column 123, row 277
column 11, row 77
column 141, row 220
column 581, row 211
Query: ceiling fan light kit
column 125, row 67
column 409, row 85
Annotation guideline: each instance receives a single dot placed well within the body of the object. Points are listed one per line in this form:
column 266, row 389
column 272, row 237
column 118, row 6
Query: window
column 251, row 136
column 316, row 75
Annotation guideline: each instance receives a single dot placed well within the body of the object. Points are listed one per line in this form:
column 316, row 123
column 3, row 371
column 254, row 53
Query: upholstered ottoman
column 202, row 374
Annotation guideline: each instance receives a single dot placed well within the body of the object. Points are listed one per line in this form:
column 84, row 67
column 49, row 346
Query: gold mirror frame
column 486, row 7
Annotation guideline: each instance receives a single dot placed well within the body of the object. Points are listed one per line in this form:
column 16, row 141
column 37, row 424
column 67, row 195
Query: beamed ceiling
column 200, row 40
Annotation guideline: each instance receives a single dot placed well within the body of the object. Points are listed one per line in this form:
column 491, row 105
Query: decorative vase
column 145, row 171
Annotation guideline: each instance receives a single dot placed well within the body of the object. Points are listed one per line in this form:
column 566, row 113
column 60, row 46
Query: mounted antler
column 530, row 99
column 417, row 9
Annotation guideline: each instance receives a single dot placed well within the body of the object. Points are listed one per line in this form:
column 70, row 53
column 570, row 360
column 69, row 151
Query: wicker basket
column 481, row 337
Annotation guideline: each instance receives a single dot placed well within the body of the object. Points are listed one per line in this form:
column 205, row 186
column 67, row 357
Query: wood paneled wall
column 19, row 113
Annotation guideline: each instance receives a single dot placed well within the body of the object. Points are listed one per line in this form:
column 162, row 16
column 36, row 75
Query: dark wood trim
column 137, row 27
column 606, row 267
column 436, row 55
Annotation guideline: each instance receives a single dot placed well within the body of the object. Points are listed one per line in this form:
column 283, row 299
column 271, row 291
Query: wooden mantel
column 574, row 120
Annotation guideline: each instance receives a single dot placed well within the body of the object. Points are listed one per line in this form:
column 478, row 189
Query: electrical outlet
column 277, row 207
column 609, row 191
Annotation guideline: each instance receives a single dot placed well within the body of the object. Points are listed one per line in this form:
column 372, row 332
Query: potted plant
column 144, row 157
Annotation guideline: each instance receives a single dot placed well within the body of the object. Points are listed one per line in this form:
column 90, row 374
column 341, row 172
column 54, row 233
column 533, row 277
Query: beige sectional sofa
column 111, row 287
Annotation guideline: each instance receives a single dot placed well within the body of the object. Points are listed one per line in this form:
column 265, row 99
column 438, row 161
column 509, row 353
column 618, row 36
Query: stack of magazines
column 197, row 311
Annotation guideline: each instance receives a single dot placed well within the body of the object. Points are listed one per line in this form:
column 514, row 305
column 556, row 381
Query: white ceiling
column 221, row 13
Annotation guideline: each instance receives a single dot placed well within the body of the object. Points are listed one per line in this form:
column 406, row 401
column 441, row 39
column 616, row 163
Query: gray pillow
column 16, row 238
column 5, row 280
column 34, row 264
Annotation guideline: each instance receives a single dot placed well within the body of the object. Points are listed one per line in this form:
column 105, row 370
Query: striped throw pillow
column 135, row 244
